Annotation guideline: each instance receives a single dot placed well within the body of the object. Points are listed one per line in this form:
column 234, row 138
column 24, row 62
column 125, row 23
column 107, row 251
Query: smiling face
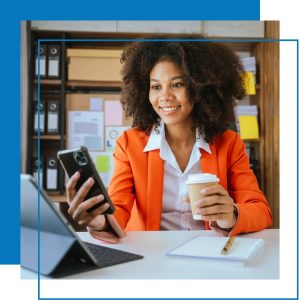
column 168, row 94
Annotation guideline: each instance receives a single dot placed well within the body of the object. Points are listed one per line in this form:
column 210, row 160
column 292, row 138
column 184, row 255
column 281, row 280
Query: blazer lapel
column 209, row 162
column 154, row 190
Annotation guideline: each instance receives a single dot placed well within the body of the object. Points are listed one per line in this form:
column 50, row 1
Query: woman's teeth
column 170, row 108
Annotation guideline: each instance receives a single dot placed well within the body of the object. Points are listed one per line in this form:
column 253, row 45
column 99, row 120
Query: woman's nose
column 166, row 94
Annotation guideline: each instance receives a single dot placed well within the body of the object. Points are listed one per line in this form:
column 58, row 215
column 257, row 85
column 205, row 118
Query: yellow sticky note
column 248, row 127
column 249, row 83
column 102, row 163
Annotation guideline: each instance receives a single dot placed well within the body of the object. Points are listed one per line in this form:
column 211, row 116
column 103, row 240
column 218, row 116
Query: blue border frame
column 165, row 40
column 297, row 130
column 39, row 159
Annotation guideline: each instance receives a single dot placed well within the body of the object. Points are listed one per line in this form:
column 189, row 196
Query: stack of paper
column 247, row 123
column 249, row 64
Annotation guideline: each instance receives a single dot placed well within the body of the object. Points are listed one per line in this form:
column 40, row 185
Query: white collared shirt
column 176, row 214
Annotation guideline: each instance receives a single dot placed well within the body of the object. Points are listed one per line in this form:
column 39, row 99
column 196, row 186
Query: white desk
column 154, row 245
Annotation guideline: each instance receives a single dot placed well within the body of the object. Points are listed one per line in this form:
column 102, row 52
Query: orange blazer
column 136, row 187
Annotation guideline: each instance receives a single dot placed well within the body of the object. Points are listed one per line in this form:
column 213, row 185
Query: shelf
column 80, row 83
column 83, row 83
column 251, row 140
column 49, row 137
column 48, row 81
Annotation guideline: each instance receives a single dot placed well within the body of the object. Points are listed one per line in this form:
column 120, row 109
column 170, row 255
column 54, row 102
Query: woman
column 181, row 96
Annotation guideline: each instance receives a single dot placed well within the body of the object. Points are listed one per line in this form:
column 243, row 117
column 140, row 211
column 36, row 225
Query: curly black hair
column 213, row 79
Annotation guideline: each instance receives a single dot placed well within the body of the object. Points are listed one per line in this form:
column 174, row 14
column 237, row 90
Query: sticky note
column 102, row 163
column 113, row 113
column 248, row 127
column 96, row 104
column 249, row 83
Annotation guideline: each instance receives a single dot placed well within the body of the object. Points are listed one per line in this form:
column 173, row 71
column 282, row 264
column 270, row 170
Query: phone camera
column 80, row 158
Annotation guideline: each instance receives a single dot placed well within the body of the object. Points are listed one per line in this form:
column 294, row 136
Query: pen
column 228, row 245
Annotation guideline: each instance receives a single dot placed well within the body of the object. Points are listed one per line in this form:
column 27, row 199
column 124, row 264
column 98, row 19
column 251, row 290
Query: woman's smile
column 169, row 110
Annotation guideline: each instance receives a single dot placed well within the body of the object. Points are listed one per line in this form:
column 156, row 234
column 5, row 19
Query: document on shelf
column 244, row 250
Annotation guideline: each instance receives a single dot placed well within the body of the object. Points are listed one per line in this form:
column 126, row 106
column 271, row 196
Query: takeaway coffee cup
column 195, row 183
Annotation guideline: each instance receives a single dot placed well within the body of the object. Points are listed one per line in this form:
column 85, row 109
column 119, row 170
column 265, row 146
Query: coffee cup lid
column 201, row 178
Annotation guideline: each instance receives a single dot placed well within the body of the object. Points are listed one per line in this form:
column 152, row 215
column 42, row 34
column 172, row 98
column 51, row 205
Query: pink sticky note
column 113, row 113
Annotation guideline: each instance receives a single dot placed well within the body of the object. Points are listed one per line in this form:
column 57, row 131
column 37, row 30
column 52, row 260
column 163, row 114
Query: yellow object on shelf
column 249, row 83
column 248, row 127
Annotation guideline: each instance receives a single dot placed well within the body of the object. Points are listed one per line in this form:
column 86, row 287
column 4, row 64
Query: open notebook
column 243, row 250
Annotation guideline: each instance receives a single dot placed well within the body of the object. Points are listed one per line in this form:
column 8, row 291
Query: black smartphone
column 79, row 159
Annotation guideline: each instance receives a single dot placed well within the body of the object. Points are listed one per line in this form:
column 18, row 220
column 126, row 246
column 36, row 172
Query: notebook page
column 243, row 249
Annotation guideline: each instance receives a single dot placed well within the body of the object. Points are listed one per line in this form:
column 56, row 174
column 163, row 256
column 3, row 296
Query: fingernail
column 91, row 181
column 203, row 191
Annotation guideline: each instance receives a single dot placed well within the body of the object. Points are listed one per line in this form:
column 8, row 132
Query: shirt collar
column 157, row 139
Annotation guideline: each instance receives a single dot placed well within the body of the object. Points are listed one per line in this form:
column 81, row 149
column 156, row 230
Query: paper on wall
column 85, row 128
column 111, row 135
column 113, row 112
column 96, row 104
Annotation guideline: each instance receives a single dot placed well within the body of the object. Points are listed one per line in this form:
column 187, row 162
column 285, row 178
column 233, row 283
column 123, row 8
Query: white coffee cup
column 195, row 183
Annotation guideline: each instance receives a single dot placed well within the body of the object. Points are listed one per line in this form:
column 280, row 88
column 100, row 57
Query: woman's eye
column 155, row 87
column 177, row 84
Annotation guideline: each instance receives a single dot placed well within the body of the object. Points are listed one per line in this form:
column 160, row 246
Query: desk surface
column 154, row 245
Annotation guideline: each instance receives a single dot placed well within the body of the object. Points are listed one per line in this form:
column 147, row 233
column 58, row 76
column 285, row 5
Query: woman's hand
column 215, row 204
column 78, row 207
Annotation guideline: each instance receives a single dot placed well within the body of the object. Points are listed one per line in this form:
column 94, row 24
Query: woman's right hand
column 78, row 207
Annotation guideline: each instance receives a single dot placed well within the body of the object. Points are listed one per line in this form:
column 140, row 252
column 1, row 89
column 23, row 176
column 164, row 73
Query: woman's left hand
column 215, row 204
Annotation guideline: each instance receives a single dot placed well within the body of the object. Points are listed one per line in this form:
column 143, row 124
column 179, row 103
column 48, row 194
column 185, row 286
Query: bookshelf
column 266, row 98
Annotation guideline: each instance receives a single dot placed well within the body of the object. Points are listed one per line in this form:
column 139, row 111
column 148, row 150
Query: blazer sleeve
column 254, row 213
column 121, row 188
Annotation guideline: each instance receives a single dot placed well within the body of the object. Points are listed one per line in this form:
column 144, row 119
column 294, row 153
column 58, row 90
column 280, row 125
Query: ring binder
column 52, row 174
column 53, row 113
column 36, row 165
column 39, row 107
column 43, row 61
column 53, row 61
